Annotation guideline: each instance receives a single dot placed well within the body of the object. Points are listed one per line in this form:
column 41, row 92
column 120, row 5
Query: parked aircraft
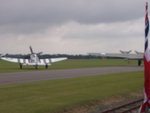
column 124, row 54
column 33, row 60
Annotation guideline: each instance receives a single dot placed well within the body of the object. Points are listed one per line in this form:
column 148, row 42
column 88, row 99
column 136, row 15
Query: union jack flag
column 146, row 105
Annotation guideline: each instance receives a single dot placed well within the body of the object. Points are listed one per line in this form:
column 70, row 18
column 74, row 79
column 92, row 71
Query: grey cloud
column 59, row 11
column 23, row 28
column 71, row 25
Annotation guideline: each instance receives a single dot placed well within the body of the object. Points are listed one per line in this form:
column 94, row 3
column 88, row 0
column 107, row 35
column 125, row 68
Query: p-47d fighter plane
column 33, row 60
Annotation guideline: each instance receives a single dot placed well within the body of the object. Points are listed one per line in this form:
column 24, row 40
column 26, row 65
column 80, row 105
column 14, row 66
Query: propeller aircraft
column 33, row 60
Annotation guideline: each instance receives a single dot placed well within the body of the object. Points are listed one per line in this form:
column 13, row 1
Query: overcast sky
column 71, row 26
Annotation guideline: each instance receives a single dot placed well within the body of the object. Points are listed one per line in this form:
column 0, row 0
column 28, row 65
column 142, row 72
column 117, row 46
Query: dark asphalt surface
column 22, row 77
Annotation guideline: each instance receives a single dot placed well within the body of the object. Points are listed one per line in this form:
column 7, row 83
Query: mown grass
column 74, row 63
column 82, row 63
column 56, row 95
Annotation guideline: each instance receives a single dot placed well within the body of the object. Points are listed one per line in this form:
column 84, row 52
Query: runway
column 23, row 77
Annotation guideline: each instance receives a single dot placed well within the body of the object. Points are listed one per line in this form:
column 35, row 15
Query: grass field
column 59, row 95
column 80, row 63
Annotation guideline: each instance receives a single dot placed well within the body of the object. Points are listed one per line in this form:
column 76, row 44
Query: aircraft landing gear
column 139, row 62
column 46, row 66
column 36, row 66
column 20, row 65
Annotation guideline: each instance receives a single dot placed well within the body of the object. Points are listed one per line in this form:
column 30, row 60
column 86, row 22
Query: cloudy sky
column 71, row 26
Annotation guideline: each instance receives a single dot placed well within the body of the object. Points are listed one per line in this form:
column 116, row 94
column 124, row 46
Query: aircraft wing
column 118, row 55
column 9, row 59
column 51, row 60
column 135, row 56
column 126, row 56
column 16, row 60
column 58, row 59
column 27, row 61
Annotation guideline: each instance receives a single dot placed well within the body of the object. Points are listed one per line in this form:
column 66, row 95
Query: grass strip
column 58, row 95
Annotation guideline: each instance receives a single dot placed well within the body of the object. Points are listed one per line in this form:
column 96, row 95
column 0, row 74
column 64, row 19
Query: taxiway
column 22, row 77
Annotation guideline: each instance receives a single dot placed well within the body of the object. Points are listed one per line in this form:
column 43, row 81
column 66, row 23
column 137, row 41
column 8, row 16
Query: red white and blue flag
column 146, row 104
